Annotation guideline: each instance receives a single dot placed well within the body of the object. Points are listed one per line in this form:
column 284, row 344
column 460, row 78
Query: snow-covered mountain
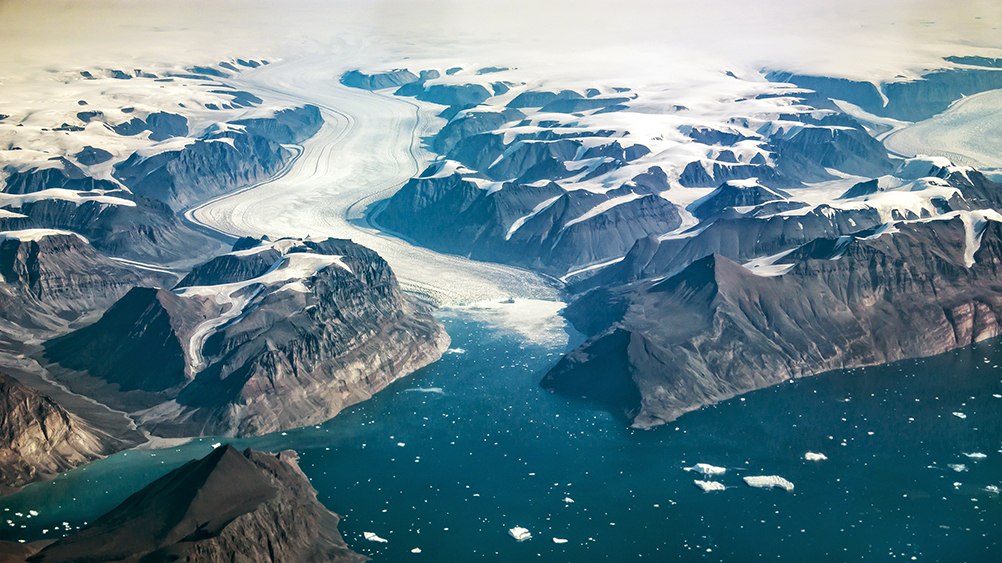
column 759, row 185
column 271, row 336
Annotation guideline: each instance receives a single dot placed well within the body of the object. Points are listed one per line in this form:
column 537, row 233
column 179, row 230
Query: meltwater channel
column 450, row 458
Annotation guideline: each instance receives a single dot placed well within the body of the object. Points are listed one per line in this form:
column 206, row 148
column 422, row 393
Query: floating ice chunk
column 706, row 469
column 959, row 415
column 708, row 486
column 958, row 467
column 373, row 537
column 811, row 456
column 519, row 533
column 437, row 390
column 768, row 482
column 216, row 445
column 401, row 444
column 992, row 489
column 416, row 550
column 976, row 455
column 996, row 395
column 33, row 513
column 568, row 500
column 559, row 540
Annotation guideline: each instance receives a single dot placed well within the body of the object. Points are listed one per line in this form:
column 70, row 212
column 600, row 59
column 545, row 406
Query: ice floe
column 373, row 537
column 812, row 456
column 975, row 455
column 768, row 482
column 519, row 533
column 707, row 469
column 708, row 486
column 559, row 540
column 960, row 415
column 958, row 467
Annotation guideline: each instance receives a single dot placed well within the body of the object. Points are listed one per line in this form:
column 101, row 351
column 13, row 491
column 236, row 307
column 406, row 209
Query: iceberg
column 519, row 533
column 960, row 415
column 958, row 467
column 976, row 455
column 373, row 537
column 416, row 550
column 707, row 469
column 559, row 540
column 709, row 485
column 768, row 482
column 811, row 456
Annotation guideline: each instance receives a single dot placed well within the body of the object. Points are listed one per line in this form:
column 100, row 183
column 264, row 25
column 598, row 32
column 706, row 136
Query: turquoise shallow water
column 450, row 470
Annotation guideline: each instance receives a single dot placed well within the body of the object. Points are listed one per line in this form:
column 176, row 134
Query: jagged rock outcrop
column 269, row 337
column 716, row 329
column 229, row 506
column 39, row 439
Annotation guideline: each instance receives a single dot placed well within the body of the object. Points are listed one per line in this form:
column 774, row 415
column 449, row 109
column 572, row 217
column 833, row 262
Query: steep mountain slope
column 49, row 277
column 566, row 182
column 39, row 439
column 228, row 506
column 274, row 335
column 913, row 289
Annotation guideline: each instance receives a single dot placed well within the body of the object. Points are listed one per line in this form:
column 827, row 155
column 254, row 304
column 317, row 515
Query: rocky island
column 254, row 506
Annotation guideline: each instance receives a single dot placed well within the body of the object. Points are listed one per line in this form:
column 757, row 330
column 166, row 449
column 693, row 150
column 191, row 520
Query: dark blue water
column 451, row 472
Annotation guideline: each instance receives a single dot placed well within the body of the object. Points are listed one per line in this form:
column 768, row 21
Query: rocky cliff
column 39, row 439
column 275, row 335
column 50, row 277
column 910, row 290
column 229, row 506
column 221, row 160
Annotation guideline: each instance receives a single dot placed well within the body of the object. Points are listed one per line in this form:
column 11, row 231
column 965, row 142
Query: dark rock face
column 538, row 99
column 229, row 506
column 847, row 302
column 138, row 345
column 202, row 169
column 39, row 439
column 287, row 126
column 542, row 227
column 453, row 94
column 148, row 231
column 472, row 124
column 913, row 100
column 391, row 79
column 59, row 277
column 66, row 176
column 731, row 194
column 573, row 105
column 738, row 238
column 90, row 156
column 161, row 125
column 221, row 161
column 271, row 337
